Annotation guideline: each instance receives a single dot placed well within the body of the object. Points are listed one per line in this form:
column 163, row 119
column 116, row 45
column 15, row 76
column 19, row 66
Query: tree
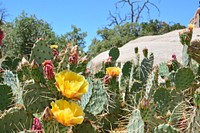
column 24, row 32
column 113, row 37
column 136, row 10
column 3, row 15
column 76, row 37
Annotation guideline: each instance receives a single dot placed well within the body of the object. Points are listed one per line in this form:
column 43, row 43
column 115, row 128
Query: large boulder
column 162, row 46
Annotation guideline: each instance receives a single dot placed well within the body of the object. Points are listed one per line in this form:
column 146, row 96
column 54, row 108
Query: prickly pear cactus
column 163, row 69
column 10, row 63
column 165, row 128
column 162, row 98
column 136, row 124
column 5, row 97
column 86, row 127
column 196, row 98
column 184, row 78
column 194, row 50
column 98, row 98
column 196, row 122
column 114, row 53
column 145, row 69
column 41, row 52
column 86, row 97
column 35, row 97
column 12, row 80
column 14, row 120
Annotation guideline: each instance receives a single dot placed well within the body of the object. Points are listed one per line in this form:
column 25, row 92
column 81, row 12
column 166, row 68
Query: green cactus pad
column 126, row 70
column 85, row 127
column 136, row 124
column 145, row 69
column 36, row 98
column 184, row 78
column 15, row 120
column 10, row 63
column 41, row 52
column 5, row 97
column 165, row 128
column 98, row 98
column 162, row 98
column 114, row 53
column 163, row 69
column 86, row 97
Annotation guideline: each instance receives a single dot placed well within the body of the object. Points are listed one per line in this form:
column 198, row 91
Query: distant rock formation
column 196, row 19
column 162, row 46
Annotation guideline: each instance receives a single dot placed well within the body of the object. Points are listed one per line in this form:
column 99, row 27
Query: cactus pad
column 136, row 124
column 165, row 128
column 114, row 53
column 184, row 78
column 5, row 97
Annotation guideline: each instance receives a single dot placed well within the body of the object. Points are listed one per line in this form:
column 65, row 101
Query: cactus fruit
column 5, row 97
column 136, row 124
column 165, row 128
column 194, row 50
column 98, row 98
column 184, row 78
column 114, row 53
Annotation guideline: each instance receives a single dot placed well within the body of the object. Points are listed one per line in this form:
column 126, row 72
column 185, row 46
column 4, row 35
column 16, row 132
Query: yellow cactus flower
column 190, row 27
column 70, row 84
column 113, row 71
column 54, row 46
column 67, row 113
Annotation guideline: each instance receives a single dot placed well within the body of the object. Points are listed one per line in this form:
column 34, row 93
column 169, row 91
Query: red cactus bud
column 55, row 52
column 1, row 37
column 47, row 115
column 174, row 57
column 48, row 69
column 37, row 126
column 106, row 79
column 73, row 59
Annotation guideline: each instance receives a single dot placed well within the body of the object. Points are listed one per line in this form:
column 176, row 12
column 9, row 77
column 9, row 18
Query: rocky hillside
column 163, row 46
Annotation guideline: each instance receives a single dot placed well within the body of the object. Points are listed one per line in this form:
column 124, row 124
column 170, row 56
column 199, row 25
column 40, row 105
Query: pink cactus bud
column 48, row 69
column 37, row 126
column 174, row 57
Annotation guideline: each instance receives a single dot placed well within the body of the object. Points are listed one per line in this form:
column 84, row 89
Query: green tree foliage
column 24, row 32
column 113, row 37
column 76, row 37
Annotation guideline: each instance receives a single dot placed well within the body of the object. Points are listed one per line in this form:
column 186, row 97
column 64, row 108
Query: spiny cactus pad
column 41, row 52
column 136, row 124
column 162, row 98
column 36, row 98
column 14, row 120
column 86, row 97
column 5, row 96
column 165, row 128
column 98, row 98
column 184, row 78
column 114, row 53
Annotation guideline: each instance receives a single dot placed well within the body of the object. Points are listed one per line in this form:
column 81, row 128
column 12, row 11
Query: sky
column 91, row 15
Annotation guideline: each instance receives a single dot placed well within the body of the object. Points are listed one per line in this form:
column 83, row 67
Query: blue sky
column 91, row 15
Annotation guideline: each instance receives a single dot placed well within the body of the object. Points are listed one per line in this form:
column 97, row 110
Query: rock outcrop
column 162, row 46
